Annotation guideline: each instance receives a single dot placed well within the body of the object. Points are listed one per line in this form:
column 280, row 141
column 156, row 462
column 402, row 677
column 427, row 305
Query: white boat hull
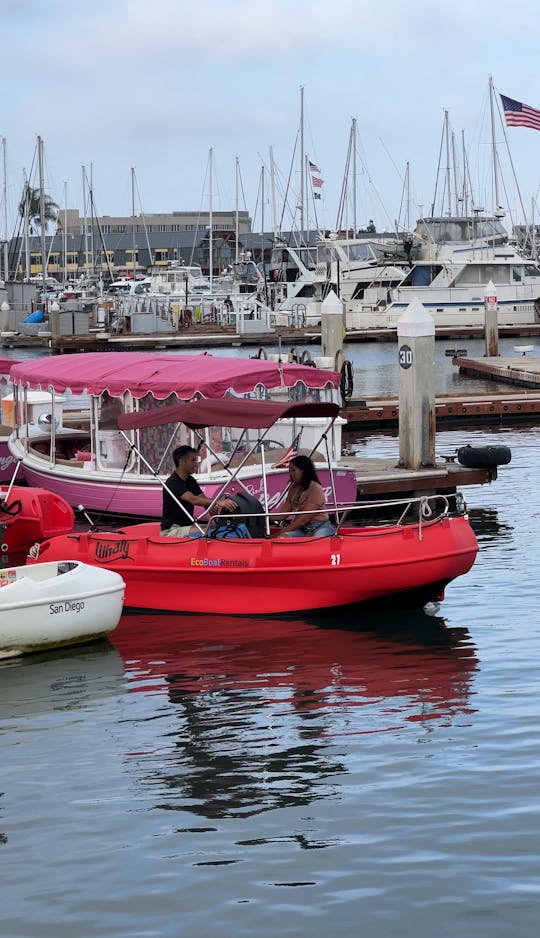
column 54, row 604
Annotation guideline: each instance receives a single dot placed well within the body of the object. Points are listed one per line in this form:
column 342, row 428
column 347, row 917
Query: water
column 365, row 774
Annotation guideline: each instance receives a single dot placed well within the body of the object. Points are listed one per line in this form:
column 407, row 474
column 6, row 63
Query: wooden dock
column 207, row 335
column 520, row 370
column 383, row 479
column 457, row 410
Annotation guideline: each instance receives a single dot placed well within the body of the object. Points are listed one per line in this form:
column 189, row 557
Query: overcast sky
column 154, row 84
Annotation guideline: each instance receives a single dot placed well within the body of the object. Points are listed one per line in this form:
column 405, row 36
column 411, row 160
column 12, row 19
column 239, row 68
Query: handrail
column 426, row 511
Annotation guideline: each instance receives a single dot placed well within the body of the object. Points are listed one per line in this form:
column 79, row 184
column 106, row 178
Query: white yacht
column 447, row 263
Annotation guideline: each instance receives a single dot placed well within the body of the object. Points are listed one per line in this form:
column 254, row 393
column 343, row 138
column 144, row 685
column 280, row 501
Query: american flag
column 316, row 180
column 288, row 455
column 520, row 115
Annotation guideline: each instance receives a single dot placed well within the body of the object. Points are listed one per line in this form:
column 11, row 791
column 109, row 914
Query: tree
column 30, row 207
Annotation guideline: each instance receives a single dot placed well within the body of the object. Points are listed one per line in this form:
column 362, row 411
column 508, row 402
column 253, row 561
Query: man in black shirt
column 177, row 521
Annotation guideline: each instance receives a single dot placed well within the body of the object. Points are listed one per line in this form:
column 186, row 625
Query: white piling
column 416, row 350
column 491, row 325
column 331, row 325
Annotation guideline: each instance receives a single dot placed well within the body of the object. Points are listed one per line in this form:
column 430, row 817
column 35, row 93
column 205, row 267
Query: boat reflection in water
column 65, row 679
column 261, row 707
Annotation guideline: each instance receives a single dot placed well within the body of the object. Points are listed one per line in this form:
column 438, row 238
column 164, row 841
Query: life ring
column 483, row 457
column 346, row 383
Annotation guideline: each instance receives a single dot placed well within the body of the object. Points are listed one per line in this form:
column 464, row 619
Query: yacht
column 447, row 263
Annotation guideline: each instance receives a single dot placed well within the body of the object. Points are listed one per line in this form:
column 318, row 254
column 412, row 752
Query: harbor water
column 374, row 774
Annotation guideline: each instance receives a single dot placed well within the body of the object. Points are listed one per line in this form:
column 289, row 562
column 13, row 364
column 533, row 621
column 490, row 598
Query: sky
column 113, row 85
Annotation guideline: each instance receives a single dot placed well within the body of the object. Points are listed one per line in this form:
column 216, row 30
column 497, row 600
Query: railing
column 421, row 510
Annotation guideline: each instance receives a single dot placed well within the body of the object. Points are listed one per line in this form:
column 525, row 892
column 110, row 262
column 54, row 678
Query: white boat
column 446, row 263
column 47, row 605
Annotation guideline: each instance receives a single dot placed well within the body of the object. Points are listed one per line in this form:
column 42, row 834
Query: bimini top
column 6, row 364
column 226, row 412
column 162, row 375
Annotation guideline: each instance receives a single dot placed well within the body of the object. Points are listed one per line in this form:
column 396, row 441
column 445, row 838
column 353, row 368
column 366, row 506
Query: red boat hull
column 278, row 575
column 30, row 515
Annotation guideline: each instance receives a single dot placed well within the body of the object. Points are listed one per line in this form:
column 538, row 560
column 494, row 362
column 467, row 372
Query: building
column 115, row 245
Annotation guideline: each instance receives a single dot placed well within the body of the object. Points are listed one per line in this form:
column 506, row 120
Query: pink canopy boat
column 7, row 460
column 66, row 433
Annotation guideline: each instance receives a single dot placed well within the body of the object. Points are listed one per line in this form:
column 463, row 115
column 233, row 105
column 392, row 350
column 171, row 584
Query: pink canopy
column 227, row 412
column 6, row 364
column 162, row 375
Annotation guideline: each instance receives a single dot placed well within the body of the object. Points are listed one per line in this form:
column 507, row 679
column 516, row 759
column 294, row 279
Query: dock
column 205, row 335
column 384, row 479
column 452, row 410
column 521, row 370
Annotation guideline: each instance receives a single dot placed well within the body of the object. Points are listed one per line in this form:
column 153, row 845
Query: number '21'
column 335, row 560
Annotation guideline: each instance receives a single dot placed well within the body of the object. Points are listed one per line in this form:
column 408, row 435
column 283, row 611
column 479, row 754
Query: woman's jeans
column 313, row 529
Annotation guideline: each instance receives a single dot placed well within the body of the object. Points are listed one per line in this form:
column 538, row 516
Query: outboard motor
column 232, row 524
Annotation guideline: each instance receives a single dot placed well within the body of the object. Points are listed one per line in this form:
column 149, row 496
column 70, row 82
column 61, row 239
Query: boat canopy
column 161, row 375
column 6, row 364
column 226, row 412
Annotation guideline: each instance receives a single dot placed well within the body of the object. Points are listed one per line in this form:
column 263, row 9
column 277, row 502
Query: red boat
column 29, row 515
column 264, row 575
column 261, row 576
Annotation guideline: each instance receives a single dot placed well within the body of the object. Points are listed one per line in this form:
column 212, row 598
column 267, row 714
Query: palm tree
column 30, row 207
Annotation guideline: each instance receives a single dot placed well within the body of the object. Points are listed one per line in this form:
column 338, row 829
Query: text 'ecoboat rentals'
column 64, row 411
column 49, row 605
column 411, row 556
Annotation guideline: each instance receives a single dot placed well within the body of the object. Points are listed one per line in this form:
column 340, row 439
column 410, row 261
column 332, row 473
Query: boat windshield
column 460, row 230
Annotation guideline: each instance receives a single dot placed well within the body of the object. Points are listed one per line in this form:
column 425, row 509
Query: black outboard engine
column 232, row 524
column 249, row 505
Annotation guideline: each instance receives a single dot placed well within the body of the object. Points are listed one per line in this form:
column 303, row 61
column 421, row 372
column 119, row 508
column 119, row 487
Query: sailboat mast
column 273, row 188
column 85, row 219
column 42, row 212
column 210, row 221
column 4, row 190
column 494, row 149
column 302, row 169
column 448, row 187
column 133, row 246
column 92, row 249
column 236, row 231
column 65, row 234
column 353, row 142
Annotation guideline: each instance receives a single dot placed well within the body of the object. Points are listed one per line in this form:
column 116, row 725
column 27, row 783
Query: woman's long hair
column 308, row 470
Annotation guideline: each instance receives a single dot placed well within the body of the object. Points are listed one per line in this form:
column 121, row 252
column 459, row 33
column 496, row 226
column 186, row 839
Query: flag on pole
column 316, row 180
column 520, row 115
column 288, row 455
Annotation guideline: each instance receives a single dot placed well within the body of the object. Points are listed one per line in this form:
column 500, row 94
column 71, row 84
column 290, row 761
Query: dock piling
column 416, row 347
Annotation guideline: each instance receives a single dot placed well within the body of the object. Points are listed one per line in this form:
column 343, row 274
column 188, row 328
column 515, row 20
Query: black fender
column 483, row 457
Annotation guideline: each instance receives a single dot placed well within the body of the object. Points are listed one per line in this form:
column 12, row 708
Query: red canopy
column 226, row 412
column 162, row 375
column 6, row 364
